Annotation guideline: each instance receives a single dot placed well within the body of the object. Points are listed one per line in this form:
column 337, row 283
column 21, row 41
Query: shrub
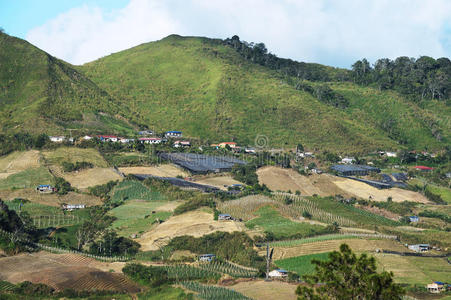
column 153, row 276
column 63, row 186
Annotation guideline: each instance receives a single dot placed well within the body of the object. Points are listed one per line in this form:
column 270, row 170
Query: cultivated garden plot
column 211, row 292
column 18, row 161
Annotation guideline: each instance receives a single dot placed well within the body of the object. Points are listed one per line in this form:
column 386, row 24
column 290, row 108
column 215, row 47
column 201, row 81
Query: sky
column 331, row 32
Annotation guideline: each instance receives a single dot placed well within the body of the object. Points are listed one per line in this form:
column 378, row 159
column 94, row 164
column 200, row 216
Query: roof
column 149, row 139
column 44, row 185
column 351, row 168
column 228, row 143
column 439, row 282
column 207, row 255
column 173, row 131
column 107, row 136
column 281, row 271
column 224, row 215
column 423, row 168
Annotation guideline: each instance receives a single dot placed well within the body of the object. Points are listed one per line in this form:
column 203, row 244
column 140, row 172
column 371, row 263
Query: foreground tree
column 346, row 276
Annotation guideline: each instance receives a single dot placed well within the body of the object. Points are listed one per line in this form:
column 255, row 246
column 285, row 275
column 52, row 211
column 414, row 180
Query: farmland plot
column 301, row 265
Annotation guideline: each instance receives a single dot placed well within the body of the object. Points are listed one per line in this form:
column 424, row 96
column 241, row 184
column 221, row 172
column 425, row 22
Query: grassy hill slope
column 206, row 89
column 40, row 93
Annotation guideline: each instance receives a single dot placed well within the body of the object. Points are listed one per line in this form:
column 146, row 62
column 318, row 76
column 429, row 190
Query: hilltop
column 40, row 93
column 209, row 90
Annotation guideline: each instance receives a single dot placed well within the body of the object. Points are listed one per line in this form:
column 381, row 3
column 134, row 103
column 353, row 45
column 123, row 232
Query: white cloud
column 324, row 31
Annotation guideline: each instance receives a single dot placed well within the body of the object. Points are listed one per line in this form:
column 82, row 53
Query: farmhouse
column 108, row 138
column 419, row 247
column 348, row 160
column 278, row 273
column 87, row 138
column 45, row 188
column 173, row 134
column 305, row 154
column 207, row 257
column 57, row 139
column 436, row 287
column 350, row 170
column 126, row 141
column 250, row 150
column 71, row 207
column 150, row 140
column 145, row 132
column 224, row 217
column 178, row 144
column 414, row 219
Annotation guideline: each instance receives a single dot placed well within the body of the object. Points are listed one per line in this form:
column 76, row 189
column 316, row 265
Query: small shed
column 45, row 188
column 414, row 219
column 224, row 217
column 278, row 273
column 207, row 257
column 419, row 247
column 436, row 287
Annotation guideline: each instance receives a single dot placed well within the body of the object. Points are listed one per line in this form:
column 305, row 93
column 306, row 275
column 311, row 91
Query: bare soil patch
column 165, row 170
column 195, row 223
column 91, row 177
column 50, row 199
column 63, row 271
column 261, row 290
column 365, row 191
column 280, row 179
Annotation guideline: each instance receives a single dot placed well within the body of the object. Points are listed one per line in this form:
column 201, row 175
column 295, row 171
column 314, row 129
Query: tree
column 346, row 276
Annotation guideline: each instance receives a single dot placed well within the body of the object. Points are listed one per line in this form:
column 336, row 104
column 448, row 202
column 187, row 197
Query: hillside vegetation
column 209, row 89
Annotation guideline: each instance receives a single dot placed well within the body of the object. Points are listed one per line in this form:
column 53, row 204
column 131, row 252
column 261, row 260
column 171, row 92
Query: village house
column 145, row 132
column 278, row 273
column 87, row 138
column 224, row 217
column 150, row 140
column 423, row 168
column 108, row 138
column 45, row 188
column 250, row 150
column 71, row 207
column 305, row 154
column 57, row 139
column 207, row 257
column 391, row 154
column 436, row 287
column 178, row 144
column 414, row 219
column 348, row 160
column 173, row 134
column 419, row 247
column 126, row 141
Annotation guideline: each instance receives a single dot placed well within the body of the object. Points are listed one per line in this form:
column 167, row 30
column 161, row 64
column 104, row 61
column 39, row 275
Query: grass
column 326, row 237
column 136, row 216
column 271, row 221
column 134, row 190
column 415, row 270
column 301, row 265
column 27, row 179
column 75, row 154
column 166, row 292
column 6, row 286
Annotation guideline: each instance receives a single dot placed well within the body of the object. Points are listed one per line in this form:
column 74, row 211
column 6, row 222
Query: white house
column 224, row 217
column 108, row 138
column 250, row 150
column 125, row 140
column 348, row 160
column 391, row 154
column 178, row 144
column 436, row 287
column 87, row 137
column 207, row 257
column 71, row 207
column 419, row 247
column 150, row 140
column 278, row 273
column 57, row 139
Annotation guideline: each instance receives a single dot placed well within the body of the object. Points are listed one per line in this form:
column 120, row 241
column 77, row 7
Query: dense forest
column 422, row 78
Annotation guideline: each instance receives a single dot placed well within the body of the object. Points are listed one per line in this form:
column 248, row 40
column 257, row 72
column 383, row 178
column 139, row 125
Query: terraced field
column 301, row 265
column 63, row 271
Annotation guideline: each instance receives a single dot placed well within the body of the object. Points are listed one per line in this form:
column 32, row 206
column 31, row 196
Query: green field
column 270, row 220
column 136, row 216
column 6, row 286
column 301, row 265
column 326, row 237
column 27, row 179
column 134, row 190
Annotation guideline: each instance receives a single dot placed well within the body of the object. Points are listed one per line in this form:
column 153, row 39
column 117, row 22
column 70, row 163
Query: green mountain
column 207, row 89
column 40, row 93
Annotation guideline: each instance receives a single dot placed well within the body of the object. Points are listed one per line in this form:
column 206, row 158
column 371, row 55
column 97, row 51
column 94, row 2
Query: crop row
column 187, row 272
column 210, row 292
column 227, row 268
column 6, row 286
